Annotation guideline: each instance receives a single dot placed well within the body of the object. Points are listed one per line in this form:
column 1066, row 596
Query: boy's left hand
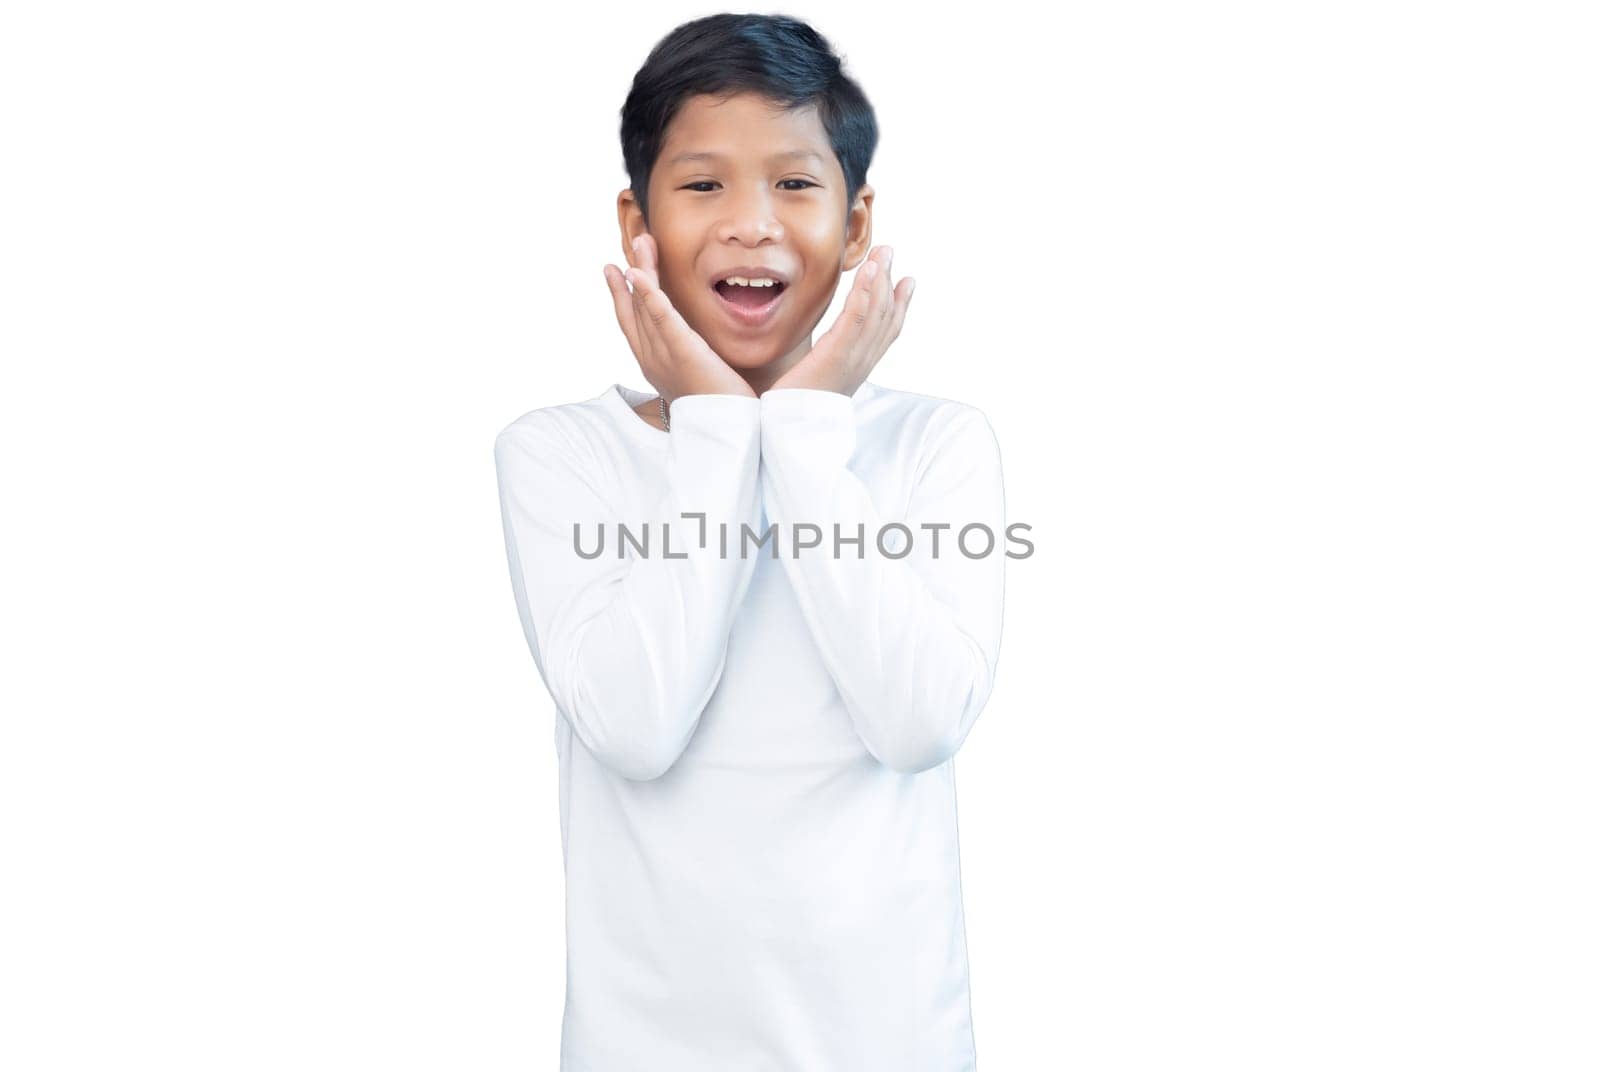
column 874, row 311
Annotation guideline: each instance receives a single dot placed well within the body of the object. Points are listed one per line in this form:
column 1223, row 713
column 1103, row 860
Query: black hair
column 776, row 56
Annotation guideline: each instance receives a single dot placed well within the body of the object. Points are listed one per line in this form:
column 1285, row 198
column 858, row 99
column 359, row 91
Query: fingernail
column 871, row 269
column 635, row 244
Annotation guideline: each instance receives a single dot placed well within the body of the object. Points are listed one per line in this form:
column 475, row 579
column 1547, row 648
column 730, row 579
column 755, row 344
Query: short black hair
column 776, row 56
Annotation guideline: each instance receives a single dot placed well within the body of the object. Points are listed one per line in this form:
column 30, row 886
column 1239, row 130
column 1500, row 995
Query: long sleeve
column 631, row 648
column 912, row 643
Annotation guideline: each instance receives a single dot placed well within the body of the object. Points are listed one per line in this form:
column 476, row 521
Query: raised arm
column 912, row 643
column 631, row 649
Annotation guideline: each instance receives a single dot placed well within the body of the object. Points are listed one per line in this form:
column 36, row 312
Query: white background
column 1285, row 316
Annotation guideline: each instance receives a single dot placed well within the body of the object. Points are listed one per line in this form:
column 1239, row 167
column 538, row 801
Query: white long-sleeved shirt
column 757, row 799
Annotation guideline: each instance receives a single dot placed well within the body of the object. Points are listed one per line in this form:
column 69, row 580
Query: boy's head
column 713, row 112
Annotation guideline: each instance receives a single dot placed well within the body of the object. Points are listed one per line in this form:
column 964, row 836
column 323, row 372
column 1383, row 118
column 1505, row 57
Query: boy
column 757, row 800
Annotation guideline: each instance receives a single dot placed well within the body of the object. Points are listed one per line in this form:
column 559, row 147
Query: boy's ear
column 630, row 220
column 858, row 228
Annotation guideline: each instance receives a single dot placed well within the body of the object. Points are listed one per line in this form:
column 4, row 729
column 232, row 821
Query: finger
column 902, row 302
column 880, row 328
column 675, row 335
column 647, row 255
column 882, row 297
column 649, row 258
column 877, row 286
column 651, row 264
column 643, row 278
column 851, row 324
column 649, row 336
column 623, row 301
column 645, row 262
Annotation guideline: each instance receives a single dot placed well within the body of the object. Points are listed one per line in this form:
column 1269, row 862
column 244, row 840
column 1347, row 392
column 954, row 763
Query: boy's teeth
column 741, row 281
column 745, row 292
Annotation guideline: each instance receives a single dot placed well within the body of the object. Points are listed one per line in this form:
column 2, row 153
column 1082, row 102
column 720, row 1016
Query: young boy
column 757, row 799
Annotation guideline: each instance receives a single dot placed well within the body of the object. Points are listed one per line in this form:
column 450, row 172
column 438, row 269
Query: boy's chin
column 751, row 352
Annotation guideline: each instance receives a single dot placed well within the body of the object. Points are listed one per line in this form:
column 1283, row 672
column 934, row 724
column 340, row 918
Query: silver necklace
column 666, row 423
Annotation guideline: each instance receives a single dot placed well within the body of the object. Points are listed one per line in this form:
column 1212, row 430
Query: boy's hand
column 873, row 313
column 672, row 356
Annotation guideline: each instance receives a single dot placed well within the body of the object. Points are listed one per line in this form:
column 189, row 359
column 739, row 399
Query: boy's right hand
column 673, row 357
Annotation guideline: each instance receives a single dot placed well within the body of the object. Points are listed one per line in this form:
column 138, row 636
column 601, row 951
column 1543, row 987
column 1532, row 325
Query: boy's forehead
column 713, row 129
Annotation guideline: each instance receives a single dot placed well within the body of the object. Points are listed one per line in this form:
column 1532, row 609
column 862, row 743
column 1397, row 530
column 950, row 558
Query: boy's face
column 747, row 203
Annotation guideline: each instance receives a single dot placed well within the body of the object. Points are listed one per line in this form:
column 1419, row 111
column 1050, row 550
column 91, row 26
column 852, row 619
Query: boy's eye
column 803, row 184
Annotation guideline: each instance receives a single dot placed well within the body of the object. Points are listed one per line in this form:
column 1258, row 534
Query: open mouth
column 750, row 306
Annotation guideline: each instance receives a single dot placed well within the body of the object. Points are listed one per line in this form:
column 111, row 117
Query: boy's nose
column 751, row 217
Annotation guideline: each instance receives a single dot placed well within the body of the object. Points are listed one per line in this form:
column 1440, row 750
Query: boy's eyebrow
column 791, row 154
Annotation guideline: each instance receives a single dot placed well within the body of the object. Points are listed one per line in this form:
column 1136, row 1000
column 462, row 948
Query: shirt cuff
column 817, row 424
